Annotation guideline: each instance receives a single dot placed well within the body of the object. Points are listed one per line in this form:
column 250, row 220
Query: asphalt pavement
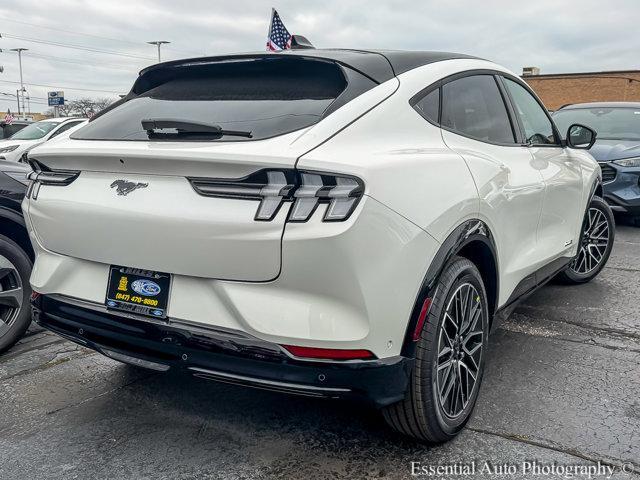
column 561, row 392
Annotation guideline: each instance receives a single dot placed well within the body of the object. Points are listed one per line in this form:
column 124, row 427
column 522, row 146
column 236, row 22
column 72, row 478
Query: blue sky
column 556, row 36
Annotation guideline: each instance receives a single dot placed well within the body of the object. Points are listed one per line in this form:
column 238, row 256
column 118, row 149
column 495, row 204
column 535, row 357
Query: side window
column 538, row 129
column 429, row 106
column 64, row 128
column 473, row 106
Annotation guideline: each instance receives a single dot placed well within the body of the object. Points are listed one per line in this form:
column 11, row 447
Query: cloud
column 556, row 36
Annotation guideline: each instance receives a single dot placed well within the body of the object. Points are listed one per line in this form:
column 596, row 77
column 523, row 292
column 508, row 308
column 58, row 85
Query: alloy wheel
column 11, row 294
column 594, row 243
column 460, row 350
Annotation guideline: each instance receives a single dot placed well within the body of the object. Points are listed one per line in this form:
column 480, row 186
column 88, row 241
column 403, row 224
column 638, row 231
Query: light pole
column 20, row 50
column 158, row 43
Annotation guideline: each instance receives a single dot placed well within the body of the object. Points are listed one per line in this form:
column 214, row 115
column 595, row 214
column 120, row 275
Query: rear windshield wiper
column 187, row 129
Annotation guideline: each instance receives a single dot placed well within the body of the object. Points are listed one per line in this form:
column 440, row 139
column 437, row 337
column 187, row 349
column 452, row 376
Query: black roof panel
column 404, row 60
column 379, row 65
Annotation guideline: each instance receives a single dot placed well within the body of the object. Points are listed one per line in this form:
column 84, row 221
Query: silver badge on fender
column 123, row 187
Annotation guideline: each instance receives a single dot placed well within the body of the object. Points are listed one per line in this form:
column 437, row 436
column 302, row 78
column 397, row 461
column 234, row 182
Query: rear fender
column 469, row 231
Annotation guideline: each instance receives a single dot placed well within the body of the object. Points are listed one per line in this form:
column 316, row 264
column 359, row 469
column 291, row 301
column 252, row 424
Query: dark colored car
column 16, row 255
column 8, row 129
column 617, row 149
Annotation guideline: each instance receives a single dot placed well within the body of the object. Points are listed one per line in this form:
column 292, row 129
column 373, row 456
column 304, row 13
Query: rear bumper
column 343, row 285
column 219, row 354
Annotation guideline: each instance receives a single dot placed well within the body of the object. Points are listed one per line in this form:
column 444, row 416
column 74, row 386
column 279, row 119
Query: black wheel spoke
column 11, row 294
column 11, row 298
column 4, row 271
column 448, row 383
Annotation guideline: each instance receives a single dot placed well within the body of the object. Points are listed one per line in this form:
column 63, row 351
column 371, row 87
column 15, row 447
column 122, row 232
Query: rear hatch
column 173, row 178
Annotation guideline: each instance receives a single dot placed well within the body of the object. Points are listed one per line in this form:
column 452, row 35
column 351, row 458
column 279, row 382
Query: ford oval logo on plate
column 145, row 287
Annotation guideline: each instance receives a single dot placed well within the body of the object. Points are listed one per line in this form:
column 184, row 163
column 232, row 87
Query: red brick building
column 559, row 89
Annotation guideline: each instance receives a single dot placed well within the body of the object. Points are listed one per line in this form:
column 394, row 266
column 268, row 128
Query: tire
column 598, row 227
column 15, row 310
column 422, row 414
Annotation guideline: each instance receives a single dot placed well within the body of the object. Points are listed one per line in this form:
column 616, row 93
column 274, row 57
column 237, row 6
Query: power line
column 81, row 62
column 65, row 87
column 73, row 32
column 31, row 99
column 13, row 95
column 139, row 44
column 74, row 46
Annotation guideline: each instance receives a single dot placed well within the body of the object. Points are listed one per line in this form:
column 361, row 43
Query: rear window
column 267, row 97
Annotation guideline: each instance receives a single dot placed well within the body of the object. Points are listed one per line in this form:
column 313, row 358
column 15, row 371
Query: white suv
column 331, row 223
column 20, row 143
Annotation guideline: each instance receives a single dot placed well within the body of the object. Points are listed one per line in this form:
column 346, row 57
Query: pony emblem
column 124, row 187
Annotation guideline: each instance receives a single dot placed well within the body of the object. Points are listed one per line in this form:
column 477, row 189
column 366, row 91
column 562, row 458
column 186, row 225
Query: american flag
column 9, row 118
column 279, row 37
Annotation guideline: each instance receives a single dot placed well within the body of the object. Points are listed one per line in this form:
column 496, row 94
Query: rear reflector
column 423, row 316
column 329, row 353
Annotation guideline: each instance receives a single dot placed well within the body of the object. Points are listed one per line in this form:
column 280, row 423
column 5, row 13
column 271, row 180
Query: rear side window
column 473, row 107
column 429, row 106
column 266, row 97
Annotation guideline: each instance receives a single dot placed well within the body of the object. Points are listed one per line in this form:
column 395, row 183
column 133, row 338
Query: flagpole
column 270, row 25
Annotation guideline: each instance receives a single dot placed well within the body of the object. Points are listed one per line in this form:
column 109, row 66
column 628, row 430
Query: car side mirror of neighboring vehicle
column 580, row 136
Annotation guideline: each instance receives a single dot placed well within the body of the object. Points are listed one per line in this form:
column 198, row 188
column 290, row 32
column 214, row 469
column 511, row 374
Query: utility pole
column 158, row 43
column 20, row 50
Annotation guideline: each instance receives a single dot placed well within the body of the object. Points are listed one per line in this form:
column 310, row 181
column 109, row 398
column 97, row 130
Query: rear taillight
column 43, row 175
column 53, row 178
column 270, row 187
column 306, row 190
column 341, row 193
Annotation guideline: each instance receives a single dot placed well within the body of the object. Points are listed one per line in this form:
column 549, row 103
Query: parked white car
column 331, row 223
column 14, row 147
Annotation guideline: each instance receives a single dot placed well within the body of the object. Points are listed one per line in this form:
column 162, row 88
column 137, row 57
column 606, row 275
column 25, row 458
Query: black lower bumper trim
column 220, row 355
column 621, row 206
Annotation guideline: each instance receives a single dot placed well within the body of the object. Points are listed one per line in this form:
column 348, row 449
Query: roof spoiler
column 298, row 42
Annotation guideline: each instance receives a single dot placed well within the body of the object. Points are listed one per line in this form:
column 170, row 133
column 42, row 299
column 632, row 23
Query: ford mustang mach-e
column 331, row 223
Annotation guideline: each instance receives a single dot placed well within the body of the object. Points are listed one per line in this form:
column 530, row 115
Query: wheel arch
column 598, row 190
column 12, row 226
column 473, row 240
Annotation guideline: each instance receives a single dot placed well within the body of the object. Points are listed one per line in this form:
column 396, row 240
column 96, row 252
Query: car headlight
column 8, row 149
column 628, row 162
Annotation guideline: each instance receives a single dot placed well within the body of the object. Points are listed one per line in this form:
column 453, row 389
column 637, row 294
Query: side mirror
column 580, row 136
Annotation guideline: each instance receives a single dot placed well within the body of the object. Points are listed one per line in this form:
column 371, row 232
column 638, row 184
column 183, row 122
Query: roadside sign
column 56, row 99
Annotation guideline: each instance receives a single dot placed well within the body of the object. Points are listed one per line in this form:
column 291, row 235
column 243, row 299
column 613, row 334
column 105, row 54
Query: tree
column 83, row 107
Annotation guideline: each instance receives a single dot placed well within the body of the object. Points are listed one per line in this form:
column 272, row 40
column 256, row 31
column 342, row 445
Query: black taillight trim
column 256, row 186
column 43, row 175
